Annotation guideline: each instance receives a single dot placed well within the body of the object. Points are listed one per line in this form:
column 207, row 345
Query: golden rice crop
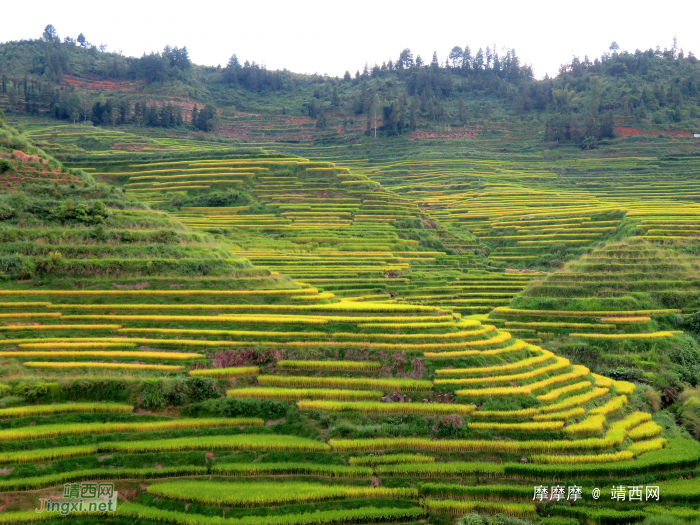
column 514, row 347
column 19, row 304
column 45, row 327
column 151, row 293
column 612, row 406
column 646, row 430
column 28, row 315
column 602, row 380
column 624, row 387
column 371, row 407
column 233, row 333
column 565, row 415
column 266, row 493
column 504, row 310
column 593, row 424
column 329, row 365
column 304, row 393
column 623, row 455
column 110, row 366
column 653, row 335
column 560, row 363
column 79, row 429
column 577, row 372
column 545, row 426
column 76, row 346
column 556, row 325
column 113, row 354
column 575, row 401
column 390, row 459
column 259, row 442
column 346, row 382
column 612, row 438
column 242, row 318
column 553, row 395
column 29, row 340
column 238, row 371
column 624, row 320
column 640, row 447
column 64, row 408
column 545, row 355
column 449, row 335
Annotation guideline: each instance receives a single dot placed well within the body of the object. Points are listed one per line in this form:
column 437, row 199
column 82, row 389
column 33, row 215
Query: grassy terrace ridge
column 237, row 336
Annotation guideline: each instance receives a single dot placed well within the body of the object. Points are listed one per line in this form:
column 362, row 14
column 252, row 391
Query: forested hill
column 72, row 79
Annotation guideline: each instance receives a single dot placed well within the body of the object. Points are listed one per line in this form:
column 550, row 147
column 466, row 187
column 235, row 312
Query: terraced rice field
column 346, row 346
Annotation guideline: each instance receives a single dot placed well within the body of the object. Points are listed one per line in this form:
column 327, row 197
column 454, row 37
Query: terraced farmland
column 256, row 337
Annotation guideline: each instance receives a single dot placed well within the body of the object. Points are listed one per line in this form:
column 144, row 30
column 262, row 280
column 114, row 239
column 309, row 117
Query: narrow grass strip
column 64, row 408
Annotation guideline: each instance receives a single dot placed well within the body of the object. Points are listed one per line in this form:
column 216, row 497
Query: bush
column 82, row 213
column 159, row 393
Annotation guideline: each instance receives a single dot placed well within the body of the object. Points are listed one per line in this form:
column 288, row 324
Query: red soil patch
column 634, row 131
column 88, row 84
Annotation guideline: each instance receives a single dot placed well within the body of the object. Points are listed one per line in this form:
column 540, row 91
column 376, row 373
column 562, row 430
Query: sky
column 330, row 37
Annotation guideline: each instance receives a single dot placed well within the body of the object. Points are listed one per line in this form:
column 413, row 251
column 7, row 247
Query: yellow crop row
column 612, row 406
column 449, row 335
column 165, row 356
column 150, row 293
column 25, row 305
column 565, row 415
column 525, row 390
column 545, row 355
column 76, row 346
column 27, row 315
column 640, row 447
column 234, row 333
column 602, row 380
column 560, row 362
column 575, row 401
column 556, row 325
column 399, row 326
column 593, row 424
column 623, row 455
column 504, row 310
column 553, row 395
column 546, row 426
column 112, row 366
column 653, row 335
column 515, row 347
column 624, row 387
column 239, row 371
column 624, row 320
column 242, row 318
column 55, row 327
column 647, row 430
column 613, row 438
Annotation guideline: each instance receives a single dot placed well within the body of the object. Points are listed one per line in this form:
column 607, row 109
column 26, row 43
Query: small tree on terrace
column 73, row 106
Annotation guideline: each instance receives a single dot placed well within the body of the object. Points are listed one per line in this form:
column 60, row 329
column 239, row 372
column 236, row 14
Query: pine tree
column 335, row 99
column 195, row 116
